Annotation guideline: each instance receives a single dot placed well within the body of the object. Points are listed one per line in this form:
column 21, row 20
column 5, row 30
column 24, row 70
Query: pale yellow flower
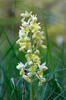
column 41, row 80
column 43, row 66
column 22, row 72
column 32, row 68
column 20, row 66
column 26, row 14
column 27, row 78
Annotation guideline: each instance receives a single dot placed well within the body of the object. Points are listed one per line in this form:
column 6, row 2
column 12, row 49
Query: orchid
column 31, row 37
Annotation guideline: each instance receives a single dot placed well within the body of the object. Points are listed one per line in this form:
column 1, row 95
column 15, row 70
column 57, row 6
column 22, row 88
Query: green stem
column 32, row 91
column 23, row 89
column 22, row 97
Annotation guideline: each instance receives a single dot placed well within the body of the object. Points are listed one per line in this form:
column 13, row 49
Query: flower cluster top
column 30, row 39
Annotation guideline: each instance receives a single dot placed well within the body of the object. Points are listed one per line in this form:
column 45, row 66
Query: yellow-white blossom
column 26, row 14
column 43, row 66
column 31, row 37
column 41, row 80
column 20, row 66
column 26, row 77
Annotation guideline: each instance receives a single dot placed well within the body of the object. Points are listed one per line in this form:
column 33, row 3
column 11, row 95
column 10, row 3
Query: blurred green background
column 10, row 81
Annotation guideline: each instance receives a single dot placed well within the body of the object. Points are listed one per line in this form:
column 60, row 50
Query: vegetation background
column 51, row 13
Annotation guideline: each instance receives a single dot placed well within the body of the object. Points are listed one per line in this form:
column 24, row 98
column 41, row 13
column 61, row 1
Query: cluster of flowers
column 30, row 38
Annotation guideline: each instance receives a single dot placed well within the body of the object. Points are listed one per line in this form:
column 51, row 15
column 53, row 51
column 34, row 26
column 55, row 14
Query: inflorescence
column 30, row 39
